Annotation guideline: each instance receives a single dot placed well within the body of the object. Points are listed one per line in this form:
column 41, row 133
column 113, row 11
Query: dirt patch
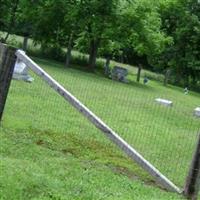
column 70, row 151
column 40, row 142
column 131, row 175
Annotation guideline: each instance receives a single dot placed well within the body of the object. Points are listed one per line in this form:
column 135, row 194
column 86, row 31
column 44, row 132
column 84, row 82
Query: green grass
column 51, row 166
column 49, row 151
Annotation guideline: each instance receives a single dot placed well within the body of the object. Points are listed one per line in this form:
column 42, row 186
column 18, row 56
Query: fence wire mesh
column 165, row 136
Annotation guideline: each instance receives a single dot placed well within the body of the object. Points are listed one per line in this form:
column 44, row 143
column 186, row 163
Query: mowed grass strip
column 46, row 165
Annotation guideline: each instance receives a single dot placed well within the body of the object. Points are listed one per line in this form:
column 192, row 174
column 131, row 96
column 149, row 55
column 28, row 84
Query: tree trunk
column 25, row 43
column 186, row 80
column 139, row 72
column 178, row 76
column 94, row 44
column 6, row 37
column 166, row 79
column 107, row 66
column 69, row 50
column 194, row 77
column 122, row 57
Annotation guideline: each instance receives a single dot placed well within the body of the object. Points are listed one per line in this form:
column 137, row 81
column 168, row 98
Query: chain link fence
column 165, row 135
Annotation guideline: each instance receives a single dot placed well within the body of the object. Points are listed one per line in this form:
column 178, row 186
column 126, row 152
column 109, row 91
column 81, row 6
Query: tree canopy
column 163, row 34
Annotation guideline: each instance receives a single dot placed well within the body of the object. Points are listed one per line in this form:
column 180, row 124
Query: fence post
column 7, row 61
column 192, row 185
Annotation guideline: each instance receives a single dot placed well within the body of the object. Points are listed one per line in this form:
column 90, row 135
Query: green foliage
column 8, row 17
column 162, row 34
column 180, row 20
column 143, row 25
column 3, row 14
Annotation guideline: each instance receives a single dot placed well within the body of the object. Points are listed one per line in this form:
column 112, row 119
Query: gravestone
column 186, row 91
column 146, row 80
column 164, row 102
column 197, row 112
column 21, row 72
column 119, row 74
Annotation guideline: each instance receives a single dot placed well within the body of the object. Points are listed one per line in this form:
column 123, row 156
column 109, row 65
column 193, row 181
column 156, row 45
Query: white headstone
column 21, row 72
column 164, row 102
column 20, row 68
column 197, row 111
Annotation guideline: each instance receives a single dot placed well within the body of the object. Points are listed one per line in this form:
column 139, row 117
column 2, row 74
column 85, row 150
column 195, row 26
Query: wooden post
column 139, row 72
column 167, row 75
column 25, row 43
column 7, row 61
column 192, row 185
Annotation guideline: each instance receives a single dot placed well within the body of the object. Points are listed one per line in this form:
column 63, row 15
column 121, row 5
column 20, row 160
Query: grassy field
column 49, row 151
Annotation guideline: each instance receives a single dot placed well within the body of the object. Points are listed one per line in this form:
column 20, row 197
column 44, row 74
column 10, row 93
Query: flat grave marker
column 164, row 102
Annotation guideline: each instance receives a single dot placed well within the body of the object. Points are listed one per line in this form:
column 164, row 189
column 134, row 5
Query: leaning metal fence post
column 192, row 185
column 7, row 62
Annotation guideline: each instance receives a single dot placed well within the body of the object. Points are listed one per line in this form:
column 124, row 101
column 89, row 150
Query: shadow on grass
column 94, row 151
column 98, row 73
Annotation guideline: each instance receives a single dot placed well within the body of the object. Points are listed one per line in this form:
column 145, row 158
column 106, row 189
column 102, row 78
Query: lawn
column 49, row 151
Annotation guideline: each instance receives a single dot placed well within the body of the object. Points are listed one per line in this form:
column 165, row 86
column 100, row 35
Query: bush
column 48, row 52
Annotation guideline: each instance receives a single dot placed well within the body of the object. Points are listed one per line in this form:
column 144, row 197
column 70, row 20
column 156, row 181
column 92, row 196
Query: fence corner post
column 192, row 184
column 7, row 62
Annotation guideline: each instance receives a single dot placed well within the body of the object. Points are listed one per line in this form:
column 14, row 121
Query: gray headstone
column 119, row 74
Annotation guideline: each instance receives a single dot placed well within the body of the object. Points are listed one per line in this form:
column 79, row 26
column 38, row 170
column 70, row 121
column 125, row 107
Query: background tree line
column 161, row 35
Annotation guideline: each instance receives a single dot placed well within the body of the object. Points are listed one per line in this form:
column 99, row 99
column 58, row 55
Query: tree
column 8, row 17
column 63, row 20
column 182, row 57
column 98, row 17
column 139, row 29
column 26, row 19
